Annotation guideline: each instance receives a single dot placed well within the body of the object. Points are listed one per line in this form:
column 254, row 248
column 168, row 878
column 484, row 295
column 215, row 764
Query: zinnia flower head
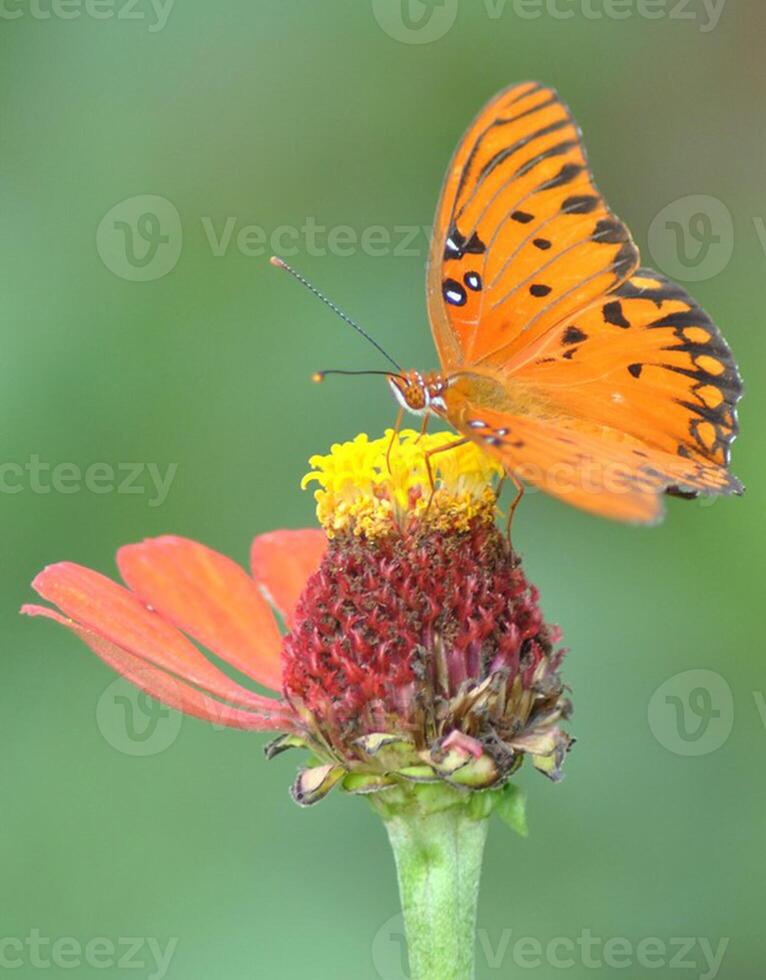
column 415, row 649
column 418, row 650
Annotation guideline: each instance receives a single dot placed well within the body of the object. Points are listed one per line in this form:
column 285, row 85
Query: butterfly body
column 600, row 382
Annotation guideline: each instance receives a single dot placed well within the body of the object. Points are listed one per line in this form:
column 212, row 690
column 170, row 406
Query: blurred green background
column 344, row 114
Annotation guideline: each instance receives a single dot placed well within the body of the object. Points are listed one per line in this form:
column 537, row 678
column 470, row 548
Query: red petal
column 163, row 686
column 209, row 597
column 103, row 607
column 282, row 562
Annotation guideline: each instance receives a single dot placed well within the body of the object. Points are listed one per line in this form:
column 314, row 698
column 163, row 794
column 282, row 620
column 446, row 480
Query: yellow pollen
column 364, row 492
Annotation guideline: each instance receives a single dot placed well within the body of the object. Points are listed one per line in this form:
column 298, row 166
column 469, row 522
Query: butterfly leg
column 500, row 485
column 514, row 504
column 433, row 452
column 423, row 426
column 394, row 434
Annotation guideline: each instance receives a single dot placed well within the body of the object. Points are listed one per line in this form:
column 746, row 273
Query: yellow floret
column 363, row 491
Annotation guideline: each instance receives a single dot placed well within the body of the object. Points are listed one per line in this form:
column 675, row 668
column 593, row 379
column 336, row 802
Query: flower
column 415, row 650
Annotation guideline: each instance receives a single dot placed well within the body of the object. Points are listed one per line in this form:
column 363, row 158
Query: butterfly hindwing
column 647, row 361
column 522, row 237
column 600, row 470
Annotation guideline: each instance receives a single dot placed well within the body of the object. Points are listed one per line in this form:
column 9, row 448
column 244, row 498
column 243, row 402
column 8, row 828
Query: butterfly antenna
column 319, row 376
column 280, row 264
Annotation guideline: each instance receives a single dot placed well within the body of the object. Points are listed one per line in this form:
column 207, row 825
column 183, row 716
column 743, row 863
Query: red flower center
column 389, row 631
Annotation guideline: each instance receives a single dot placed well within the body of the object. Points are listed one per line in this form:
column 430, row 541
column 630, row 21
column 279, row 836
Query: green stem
column 438, row 860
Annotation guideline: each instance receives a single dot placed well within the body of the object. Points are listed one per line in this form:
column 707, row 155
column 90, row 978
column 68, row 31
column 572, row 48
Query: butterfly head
column 419, row 393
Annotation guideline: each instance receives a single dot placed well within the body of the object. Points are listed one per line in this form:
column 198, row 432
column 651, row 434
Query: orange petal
column 209, row 597
column 166, row 688
column 107, row 609
column 282, row 561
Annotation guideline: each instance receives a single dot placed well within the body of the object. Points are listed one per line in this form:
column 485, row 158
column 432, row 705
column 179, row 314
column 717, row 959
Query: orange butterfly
column 599, row 382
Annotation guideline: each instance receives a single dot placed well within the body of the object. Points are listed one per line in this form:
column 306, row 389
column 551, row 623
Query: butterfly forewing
column 522, row 237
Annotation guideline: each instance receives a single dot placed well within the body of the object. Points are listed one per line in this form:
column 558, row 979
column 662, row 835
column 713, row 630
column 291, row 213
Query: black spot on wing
column 665, row 289
column 454, row 293
column 610, row 231
column 573, row 335
column 683, row 494
column 456, row 246
column 553, row 151
column 473, row 281
column 613, row 314
column 580, row 204
column 635, row 370
column 565, row 176
column 540, row 290
column 625, row 260
column 542, row 243
column 522, row 217
column 678, row 320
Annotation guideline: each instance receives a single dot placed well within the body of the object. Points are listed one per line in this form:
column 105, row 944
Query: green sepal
column 363, row 783
column 312, row 785
column 282, row 744
column 419, row 774
column 511, row 807
column 479, row 773
column 373, row 743
column 448, row 763
column 549, row 763
column 389, row 751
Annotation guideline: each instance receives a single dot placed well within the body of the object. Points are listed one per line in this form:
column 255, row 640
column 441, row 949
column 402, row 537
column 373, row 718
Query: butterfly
column 596, row 380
